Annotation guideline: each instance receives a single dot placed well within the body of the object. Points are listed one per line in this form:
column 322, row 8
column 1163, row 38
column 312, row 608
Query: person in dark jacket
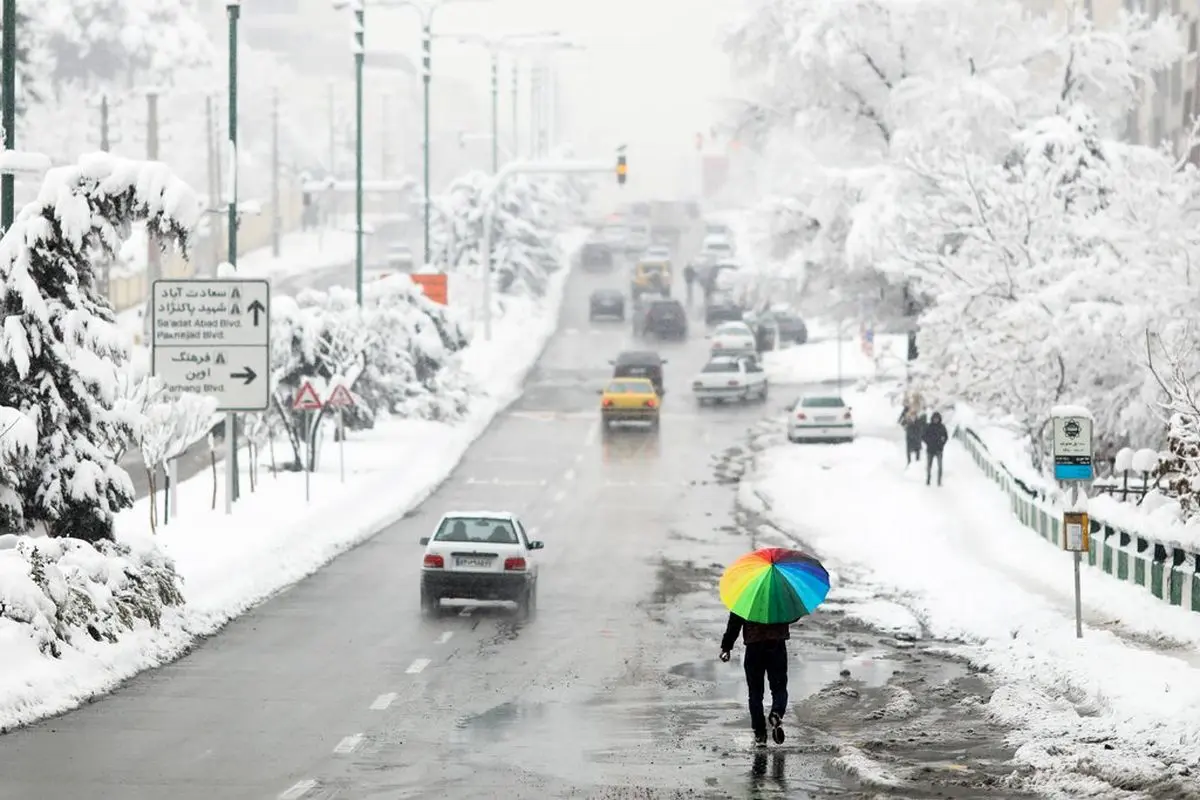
column 766, row 657
column 913, row 422
column 935, row 436
column 689, row 279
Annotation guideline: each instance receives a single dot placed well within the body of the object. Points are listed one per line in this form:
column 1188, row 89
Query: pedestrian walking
column 689, row 279
column 935, row 437
column 913, row 421
column 765, row 663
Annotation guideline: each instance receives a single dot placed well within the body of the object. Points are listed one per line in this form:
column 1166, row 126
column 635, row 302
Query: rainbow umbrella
column 774, row 585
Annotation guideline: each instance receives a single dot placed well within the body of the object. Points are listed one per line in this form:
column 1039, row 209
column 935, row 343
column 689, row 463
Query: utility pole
column 8, row 65
column 214, row 179
column 535, row 85
column 231, row 420
column 426, row 77
column 495, row 112
column 385, row 137
column 516, row 108
column 105, row 144
column 153, row 254
column 218, row 187
column 275, row 218
column 360, row 55
column 332, row 132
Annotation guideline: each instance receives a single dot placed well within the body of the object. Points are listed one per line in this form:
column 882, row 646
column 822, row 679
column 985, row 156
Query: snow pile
column 959, row 163
column 809, row 363
column 972, row 574
column 529, row 213
column 274, row 538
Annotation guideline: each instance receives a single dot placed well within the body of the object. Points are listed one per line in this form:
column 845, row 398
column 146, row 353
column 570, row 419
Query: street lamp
column 495, row 44
column 426, row 9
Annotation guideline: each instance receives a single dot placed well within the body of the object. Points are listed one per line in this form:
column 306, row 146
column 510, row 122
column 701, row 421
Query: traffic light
column 622, row 170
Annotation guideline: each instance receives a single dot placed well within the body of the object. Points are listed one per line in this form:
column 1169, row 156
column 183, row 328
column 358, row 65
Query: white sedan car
column 730, row 378
column 820, row 418
column 480, row 555
column 733, row 338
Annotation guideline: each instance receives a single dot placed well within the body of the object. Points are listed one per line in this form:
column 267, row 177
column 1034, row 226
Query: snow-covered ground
column 1115, row 708
column 274, row 537
column 816, row 361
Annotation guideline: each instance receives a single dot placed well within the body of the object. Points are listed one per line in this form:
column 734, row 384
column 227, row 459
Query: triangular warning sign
column 340, row 398
column 220, row 358
column 235, row 294
column 235, row 309
column 306, row 399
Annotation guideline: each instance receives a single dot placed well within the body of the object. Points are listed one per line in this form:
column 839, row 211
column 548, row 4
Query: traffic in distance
column 489, row 556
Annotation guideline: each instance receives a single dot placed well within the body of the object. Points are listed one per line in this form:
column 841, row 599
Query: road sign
column 214, row 337
column 1073, row 448
column 307, row 398
column 340, row 398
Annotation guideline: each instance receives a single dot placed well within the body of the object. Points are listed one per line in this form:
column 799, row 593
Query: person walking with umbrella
column 765, row 592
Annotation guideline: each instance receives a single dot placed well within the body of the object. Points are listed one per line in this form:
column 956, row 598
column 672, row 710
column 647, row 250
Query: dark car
column 606, row 303
column 640, row 364
column 666, row 319
column 721, row 307
column 596, row 257
column 784, row 324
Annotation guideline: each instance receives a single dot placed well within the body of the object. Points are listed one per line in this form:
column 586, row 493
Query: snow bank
column 972, row 574
column 230, row 563
column 816, row 361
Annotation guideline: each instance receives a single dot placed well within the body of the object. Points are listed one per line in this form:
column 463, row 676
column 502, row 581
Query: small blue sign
column 1073, row 472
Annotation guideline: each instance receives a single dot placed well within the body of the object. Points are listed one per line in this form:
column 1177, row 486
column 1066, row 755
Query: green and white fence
column 1167, row 571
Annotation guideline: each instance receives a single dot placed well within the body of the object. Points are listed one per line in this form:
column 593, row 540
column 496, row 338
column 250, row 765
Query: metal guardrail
column 1167, row 571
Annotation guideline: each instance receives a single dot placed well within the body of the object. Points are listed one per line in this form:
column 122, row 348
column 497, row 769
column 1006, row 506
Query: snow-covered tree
column 170, row 423
column 60, row 349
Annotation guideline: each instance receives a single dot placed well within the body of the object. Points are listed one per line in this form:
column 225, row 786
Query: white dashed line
column 560, row 495
column 348, row 744
column 383, row 701
column 299, row 790
column 445, row 637
column 418, row 665
column 592, row 433
column 569, row 475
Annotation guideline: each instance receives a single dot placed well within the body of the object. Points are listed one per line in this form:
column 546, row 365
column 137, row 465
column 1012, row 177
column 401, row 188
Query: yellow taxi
column 629, row 400
column 651, row 276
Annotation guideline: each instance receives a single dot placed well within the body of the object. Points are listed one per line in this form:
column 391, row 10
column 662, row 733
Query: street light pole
column 8, row 63
column 426, row 78
column 360, row 55
column 495, row 112
column 516, row 106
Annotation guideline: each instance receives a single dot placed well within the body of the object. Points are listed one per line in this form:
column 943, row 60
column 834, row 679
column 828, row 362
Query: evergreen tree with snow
column 60, row 348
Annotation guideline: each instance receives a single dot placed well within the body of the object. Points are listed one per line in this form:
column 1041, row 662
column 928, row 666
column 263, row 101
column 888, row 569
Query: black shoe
column 776, row 727
column 760, row 739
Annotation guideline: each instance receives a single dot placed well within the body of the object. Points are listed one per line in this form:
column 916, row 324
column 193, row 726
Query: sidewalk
column 951, row 563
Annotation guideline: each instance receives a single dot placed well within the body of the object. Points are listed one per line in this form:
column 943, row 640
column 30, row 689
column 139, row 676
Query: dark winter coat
column 914, row 430
column 689, row 273
column 935, row 435
column 752, row 632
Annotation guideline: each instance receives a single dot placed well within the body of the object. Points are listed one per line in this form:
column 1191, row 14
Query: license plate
column 473, row 562
column 825, row 419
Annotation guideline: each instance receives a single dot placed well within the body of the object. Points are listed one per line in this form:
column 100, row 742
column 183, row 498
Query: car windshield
column 667, row 310
column 721, row 366
column 629, row 387
column 476, row 529
column 822, row 402
column 733, row 329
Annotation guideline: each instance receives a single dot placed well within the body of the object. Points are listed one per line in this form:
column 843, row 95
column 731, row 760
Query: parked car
column 400, row 258
column 730, row 378
column 666, row 319
column 606, row 303
column 820, row 418
column 733, row 338
column 721, row 307
column 787, row 325
column 480, row 555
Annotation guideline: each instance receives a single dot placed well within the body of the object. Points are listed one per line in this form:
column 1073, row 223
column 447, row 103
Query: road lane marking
column 418, row 665
column 593, row 432
column 383, row 701
column 348, row 744
column 445, row 637
column 500, row 482
column 560, row 495
column 569, row 475
column 298, row 790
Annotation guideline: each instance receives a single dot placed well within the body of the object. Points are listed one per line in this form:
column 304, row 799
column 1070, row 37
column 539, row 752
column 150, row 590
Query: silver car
column 820, row 418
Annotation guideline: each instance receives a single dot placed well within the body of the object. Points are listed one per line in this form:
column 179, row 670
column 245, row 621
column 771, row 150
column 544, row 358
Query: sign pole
column 307, row 455
column 229, row 445
column 342, row 442
column 1074, row 468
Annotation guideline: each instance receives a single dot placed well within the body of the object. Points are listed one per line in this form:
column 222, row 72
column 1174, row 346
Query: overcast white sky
column 648, row 78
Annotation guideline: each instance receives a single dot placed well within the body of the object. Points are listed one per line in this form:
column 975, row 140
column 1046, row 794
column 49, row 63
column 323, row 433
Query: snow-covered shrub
column 394, row 354
column 65, row 591
column 528, row 215
column 60, row 349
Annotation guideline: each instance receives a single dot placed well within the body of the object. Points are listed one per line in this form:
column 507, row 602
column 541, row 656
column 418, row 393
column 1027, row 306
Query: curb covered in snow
column 35, row 686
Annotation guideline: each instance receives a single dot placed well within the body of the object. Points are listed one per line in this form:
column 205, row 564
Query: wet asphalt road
column 199, row 457
column 339, row 688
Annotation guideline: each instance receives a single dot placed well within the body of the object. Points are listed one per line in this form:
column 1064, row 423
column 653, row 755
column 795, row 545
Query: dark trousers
column 766, row 660
column 930, row 456
column 914, row 453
